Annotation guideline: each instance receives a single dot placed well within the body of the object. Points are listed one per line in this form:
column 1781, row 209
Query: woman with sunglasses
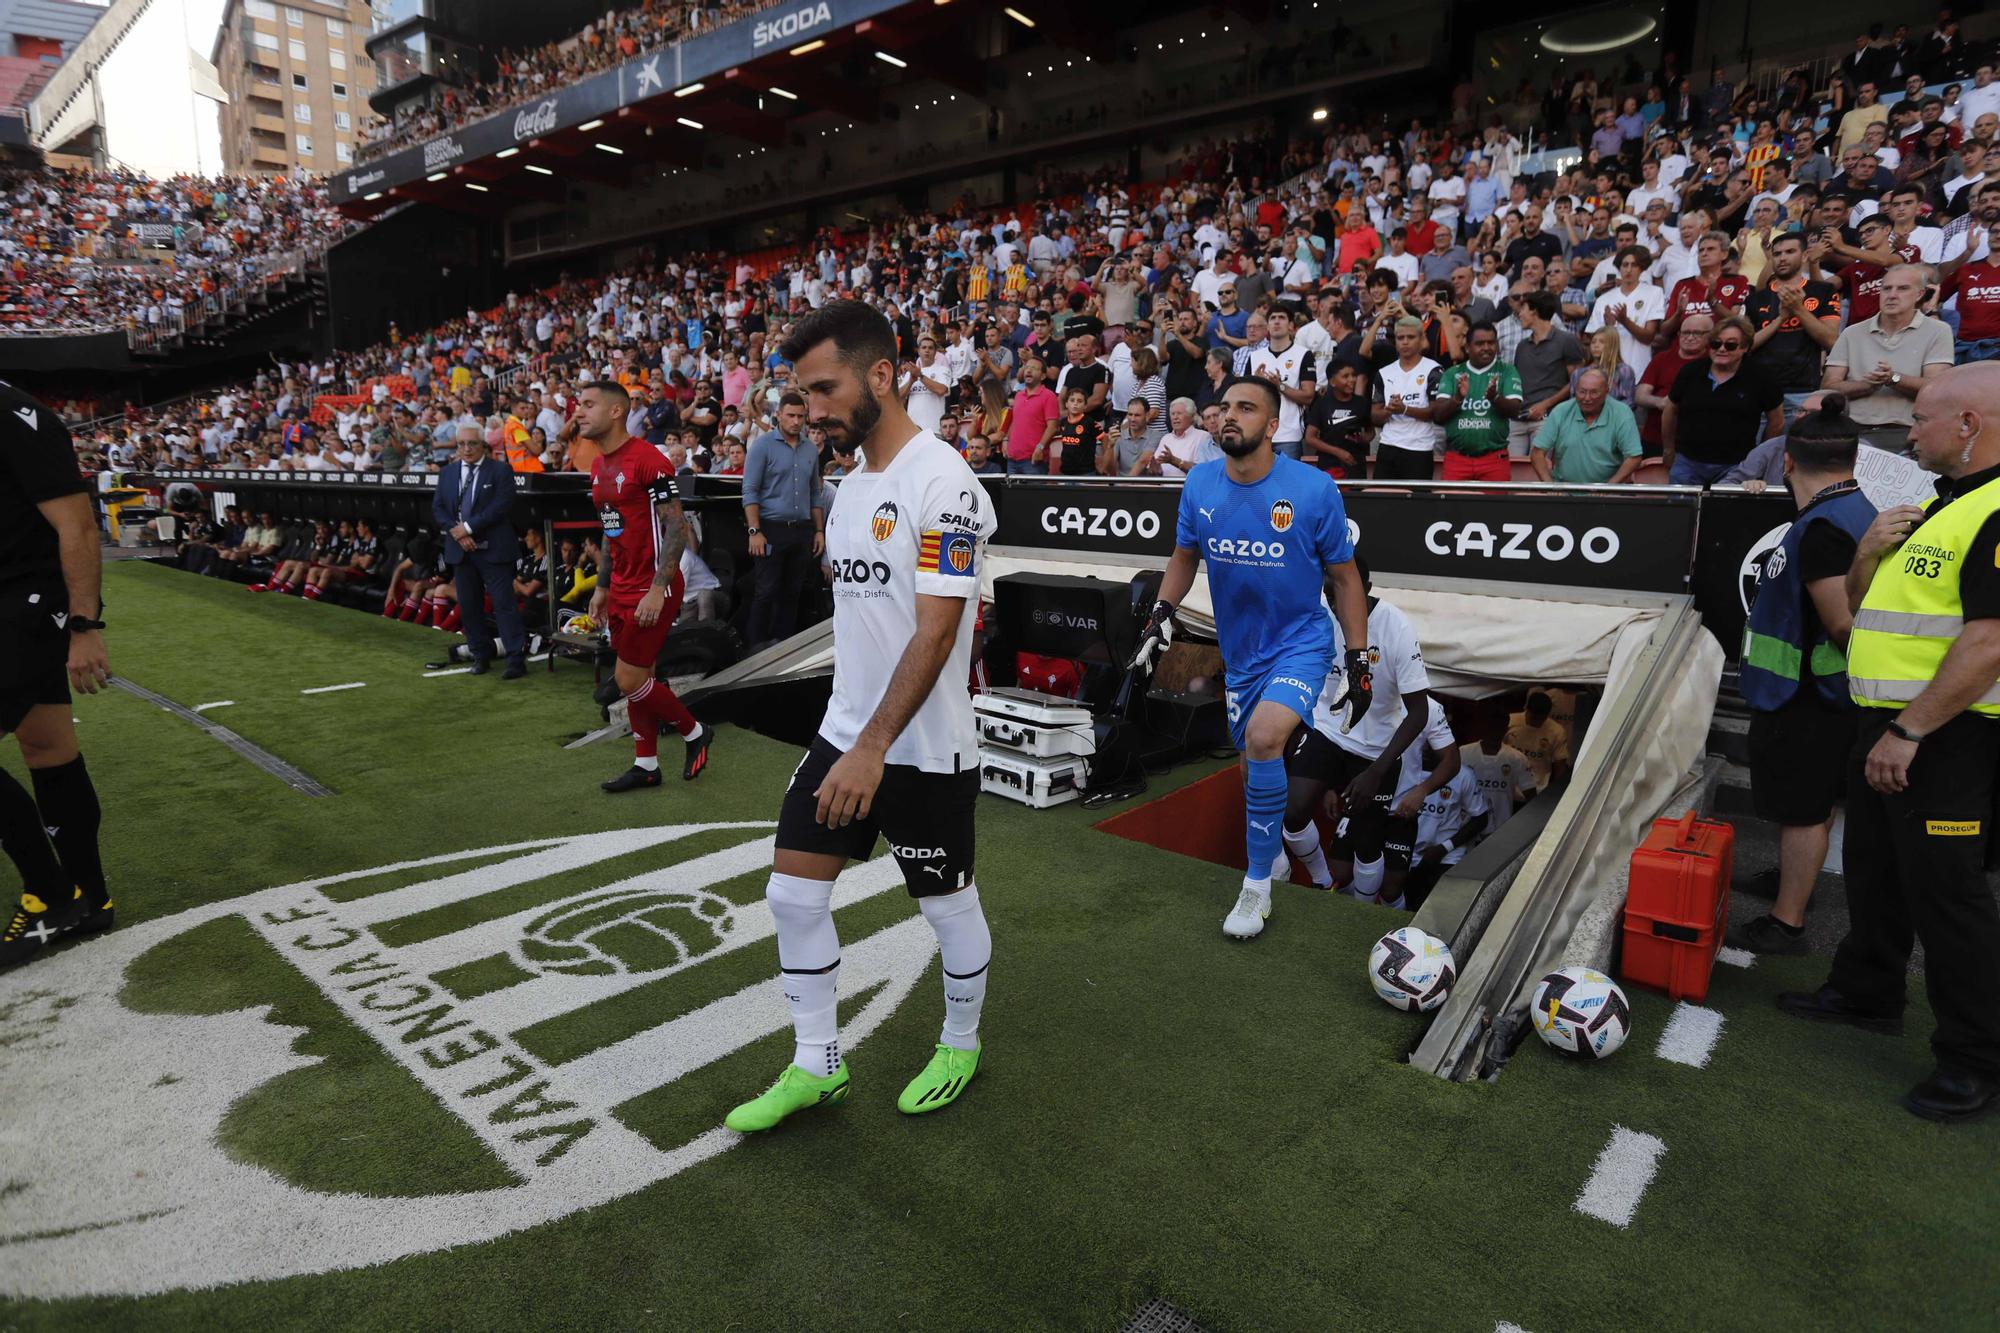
column 1718, row 409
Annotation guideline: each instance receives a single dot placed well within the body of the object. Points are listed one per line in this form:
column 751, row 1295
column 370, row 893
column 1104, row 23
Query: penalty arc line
column 262, row 758
column 1619, row 1179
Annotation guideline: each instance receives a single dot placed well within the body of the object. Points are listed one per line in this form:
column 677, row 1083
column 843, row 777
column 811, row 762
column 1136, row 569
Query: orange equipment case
column 1676, row 904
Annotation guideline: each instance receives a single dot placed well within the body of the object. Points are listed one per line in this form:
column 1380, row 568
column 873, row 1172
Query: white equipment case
column 1040, row 783
column 1026, row 722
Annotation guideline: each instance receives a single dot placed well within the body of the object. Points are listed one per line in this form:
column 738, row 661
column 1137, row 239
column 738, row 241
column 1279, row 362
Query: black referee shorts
column 1798, row 760
column 926, row 817
column 34, row 655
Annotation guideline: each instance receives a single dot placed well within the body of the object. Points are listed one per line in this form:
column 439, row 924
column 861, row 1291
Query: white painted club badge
column 118, row 1185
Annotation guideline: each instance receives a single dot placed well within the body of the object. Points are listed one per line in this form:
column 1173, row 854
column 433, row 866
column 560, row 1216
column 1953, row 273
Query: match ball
column 1581, row 1012
column 1411, row 970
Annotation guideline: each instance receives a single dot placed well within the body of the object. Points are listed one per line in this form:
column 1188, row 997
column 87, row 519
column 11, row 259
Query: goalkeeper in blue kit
column 1274, row 534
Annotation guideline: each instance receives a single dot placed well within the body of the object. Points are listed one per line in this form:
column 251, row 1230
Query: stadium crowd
column 1423, row 295
column 87, row 250
column 524, row 76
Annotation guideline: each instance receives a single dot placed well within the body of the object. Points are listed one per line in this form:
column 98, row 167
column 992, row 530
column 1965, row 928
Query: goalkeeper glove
column 1358, row 687
column 1155, row 638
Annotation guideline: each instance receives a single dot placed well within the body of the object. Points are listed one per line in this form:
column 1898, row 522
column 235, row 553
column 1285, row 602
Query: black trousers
column 1393, row 464
column 779, row 579
column 475, row 580
column 1916, row 869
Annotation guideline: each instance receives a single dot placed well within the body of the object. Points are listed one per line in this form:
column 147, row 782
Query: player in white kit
column 1360, row 766
column 897, row 753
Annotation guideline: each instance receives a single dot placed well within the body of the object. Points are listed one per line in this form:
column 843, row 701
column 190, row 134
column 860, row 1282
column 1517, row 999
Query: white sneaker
column 1246, row 920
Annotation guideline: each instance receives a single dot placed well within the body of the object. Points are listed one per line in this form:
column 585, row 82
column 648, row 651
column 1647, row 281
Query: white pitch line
column 1505, row 1327
column 1623, row 1171
column 1690, row 1035
column 448, row 671
column 219, row 703
column 1735, row 957
column 329, row 689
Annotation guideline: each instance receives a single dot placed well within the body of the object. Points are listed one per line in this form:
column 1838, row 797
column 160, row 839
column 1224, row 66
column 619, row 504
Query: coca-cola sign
column 533, row 120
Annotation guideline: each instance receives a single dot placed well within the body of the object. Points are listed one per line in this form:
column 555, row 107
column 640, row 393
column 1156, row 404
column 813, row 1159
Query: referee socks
column 70, row 814
column 27, row 843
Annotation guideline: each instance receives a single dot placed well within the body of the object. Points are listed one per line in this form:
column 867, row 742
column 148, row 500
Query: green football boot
column 943, row 1079
column 795, row 1090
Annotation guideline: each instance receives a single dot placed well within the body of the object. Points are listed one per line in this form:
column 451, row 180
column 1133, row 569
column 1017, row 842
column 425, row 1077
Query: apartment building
column 298, row 78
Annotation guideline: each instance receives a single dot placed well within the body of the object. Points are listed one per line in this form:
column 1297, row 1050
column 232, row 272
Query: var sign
column 116, row 1181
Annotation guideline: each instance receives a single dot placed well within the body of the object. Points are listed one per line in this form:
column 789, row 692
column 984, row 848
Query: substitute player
column 632, row 485
column 50, row 640
column 1358, row 762
column 897, row 753
column 1274, row 534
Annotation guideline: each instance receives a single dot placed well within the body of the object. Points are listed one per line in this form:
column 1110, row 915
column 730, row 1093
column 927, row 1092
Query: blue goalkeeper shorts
column 1293, row 681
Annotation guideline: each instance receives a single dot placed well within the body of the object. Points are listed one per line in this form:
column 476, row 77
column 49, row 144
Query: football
column 1411, row 970
column 1581, row 1012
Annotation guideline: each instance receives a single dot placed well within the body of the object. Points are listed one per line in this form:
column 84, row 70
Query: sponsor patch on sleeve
column 1952, row 828
column 946, row 553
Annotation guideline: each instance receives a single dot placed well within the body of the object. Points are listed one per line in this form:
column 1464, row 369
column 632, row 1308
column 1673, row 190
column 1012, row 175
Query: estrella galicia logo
column 1281, row 516
column 884, row 523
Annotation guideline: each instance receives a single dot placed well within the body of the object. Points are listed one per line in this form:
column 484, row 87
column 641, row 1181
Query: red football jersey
column 625, row 485
column 1691, row 296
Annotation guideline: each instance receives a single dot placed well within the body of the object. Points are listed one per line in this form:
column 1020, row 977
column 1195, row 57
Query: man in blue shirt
column 1274, row 534
column 785, row 520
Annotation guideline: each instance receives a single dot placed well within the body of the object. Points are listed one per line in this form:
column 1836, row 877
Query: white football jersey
column 1446, row 811
column 1398, row 664
column 1436, row 737
column 1505, row 779
column 1293, row 365
column 918, row 528
column 1416, row 386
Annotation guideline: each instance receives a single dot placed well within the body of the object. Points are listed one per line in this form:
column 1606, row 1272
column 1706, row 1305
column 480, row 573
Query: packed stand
column 525, row 76
column 87, row 250
column 1421, row 296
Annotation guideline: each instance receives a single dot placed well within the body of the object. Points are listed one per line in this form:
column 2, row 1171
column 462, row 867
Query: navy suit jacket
column 491, row 515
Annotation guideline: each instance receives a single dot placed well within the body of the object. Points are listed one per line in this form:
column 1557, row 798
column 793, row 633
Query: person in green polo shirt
column 1477, row 398
column 1591, row 438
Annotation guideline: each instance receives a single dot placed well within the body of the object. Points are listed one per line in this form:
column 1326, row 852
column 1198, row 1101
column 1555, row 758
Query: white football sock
column 1304, row 844
column 967, row 946
column 649, row 762
column 1368, row 878
column 808, row 967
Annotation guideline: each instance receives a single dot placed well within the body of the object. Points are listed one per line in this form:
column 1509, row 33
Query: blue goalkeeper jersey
column 1266, row 546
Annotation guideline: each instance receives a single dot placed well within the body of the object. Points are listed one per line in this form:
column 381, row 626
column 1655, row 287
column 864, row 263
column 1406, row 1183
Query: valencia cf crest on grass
column 1281, row 516
column 884, row 522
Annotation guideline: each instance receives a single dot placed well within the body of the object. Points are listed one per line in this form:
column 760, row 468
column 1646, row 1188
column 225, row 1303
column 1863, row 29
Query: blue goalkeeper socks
column 1264, row 802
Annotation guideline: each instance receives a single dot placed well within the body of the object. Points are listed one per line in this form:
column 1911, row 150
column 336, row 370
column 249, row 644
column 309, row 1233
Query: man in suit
column 475, row 505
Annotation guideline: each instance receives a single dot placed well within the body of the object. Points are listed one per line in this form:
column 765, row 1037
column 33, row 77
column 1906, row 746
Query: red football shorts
column 641, row 644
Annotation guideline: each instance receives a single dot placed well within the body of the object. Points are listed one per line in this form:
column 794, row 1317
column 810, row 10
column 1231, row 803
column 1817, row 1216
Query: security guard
column 1794, row 672
column 1923, row 660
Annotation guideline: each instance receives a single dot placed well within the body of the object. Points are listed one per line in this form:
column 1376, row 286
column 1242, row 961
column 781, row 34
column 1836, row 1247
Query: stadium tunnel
column 1546, row 889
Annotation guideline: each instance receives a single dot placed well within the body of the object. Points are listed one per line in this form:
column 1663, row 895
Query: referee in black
column 51, row 638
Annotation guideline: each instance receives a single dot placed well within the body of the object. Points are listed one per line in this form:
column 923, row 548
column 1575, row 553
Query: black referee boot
column 35, row 925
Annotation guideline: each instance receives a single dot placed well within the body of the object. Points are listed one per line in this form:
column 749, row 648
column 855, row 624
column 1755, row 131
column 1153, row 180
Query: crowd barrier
column 1652, row 539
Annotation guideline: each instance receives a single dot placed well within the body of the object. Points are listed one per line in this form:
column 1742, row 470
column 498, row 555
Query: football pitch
column 451, row 1048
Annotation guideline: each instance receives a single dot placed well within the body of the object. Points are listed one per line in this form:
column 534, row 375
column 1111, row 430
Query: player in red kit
column 632, row 485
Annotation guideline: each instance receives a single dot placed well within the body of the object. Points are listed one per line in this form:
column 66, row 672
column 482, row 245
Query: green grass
column 1161, row 1111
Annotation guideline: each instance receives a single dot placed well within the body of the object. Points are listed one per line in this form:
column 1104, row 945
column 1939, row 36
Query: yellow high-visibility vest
column 1912, row 614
